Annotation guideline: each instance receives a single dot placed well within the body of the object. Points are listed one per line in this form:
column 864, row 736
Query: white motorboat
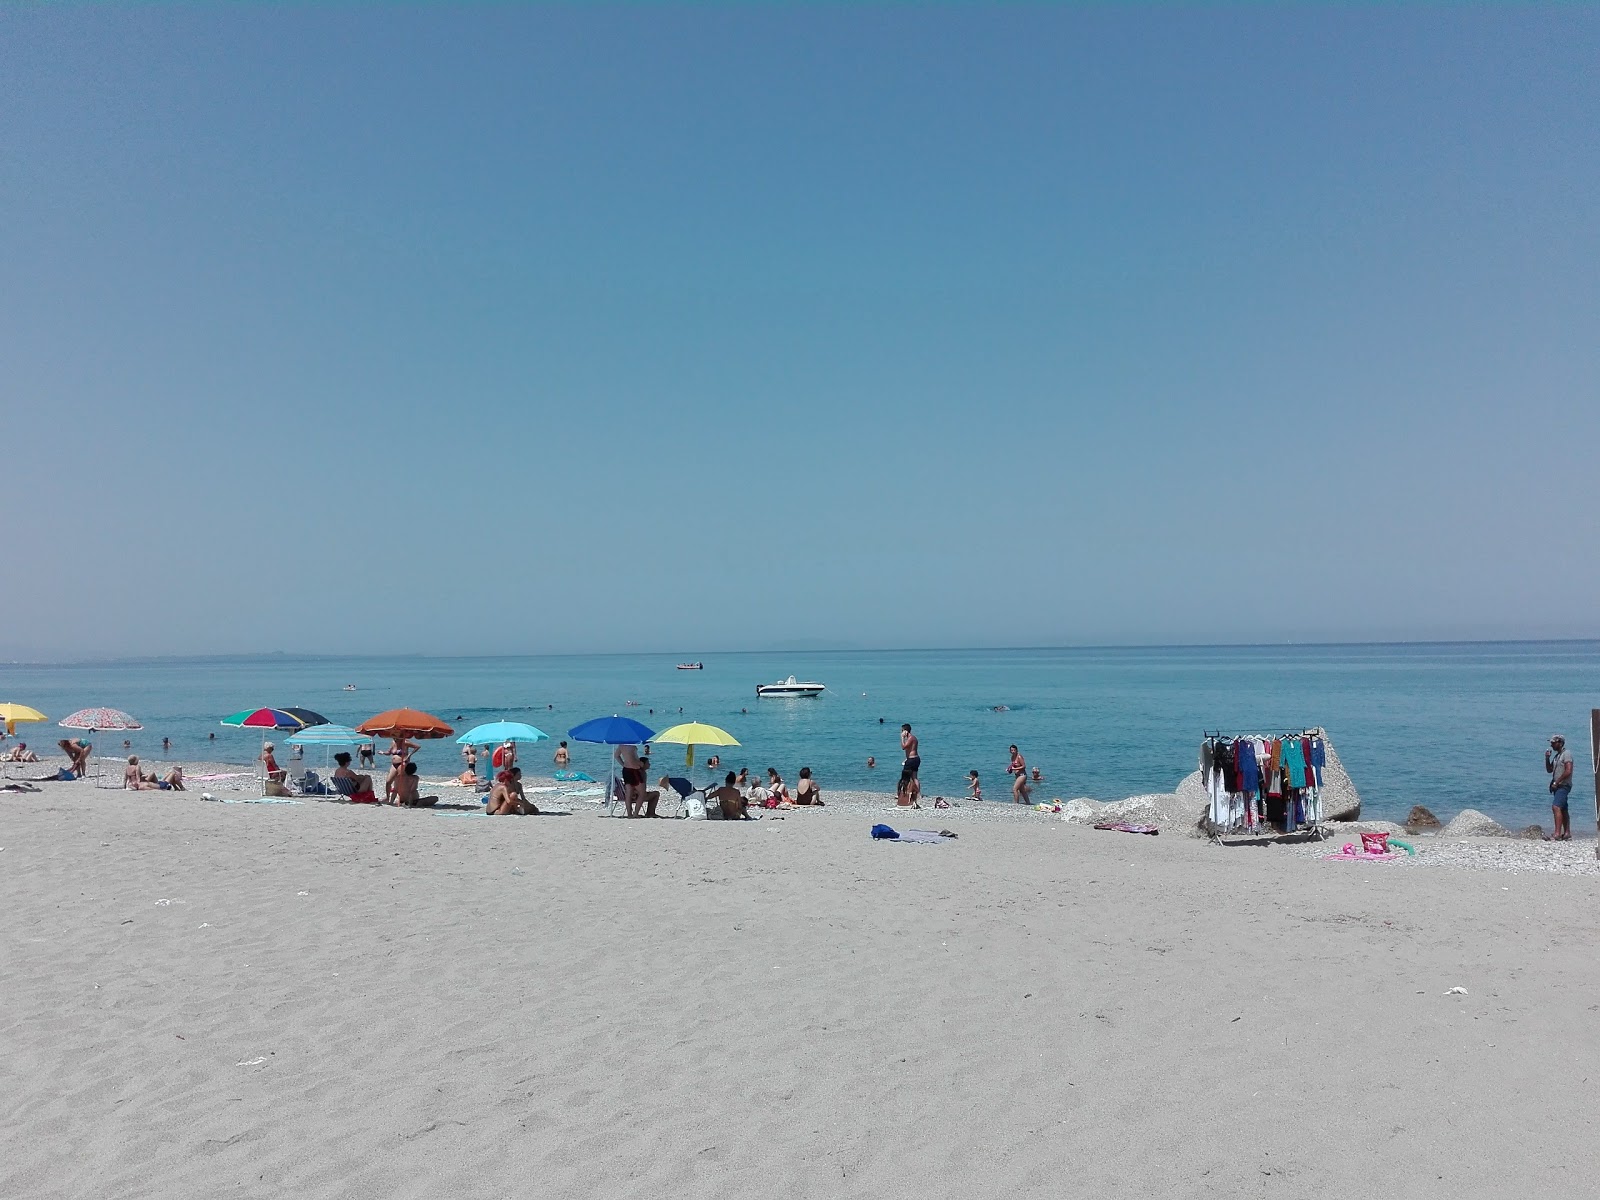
column 694, row 666
column 790, row 687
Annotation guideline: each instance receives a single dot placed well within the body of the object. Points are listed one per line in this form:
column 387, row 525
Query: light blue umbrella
column 326, row 735
column 500, row 731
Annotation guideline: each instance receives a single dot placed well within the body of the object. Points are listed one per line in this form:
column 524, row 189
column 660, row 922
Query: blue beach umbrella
column 611, row 731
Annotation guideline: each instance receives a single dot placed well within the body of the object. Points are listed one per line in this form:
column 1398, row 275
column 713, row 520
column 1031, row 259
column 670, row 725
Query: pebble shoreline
column 1504, row 854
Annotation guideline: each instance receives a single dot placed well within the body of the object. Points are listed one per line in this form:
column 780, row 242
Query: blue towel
column 884, row 833
column 573, row 777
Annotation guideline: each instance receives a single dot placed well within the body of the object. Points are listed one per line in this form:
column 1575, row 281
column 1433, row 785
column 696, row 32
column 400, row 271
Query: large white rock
column 1340, row 801
column 1469, row 822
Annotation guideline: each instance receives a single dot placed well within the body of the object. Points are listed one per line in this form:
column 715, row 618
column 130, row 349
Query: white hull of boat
column 789, row 689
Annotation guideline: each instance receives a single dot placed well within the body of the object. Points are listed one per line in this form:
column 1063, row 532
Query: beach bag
column 695, row 808
column 883, row 833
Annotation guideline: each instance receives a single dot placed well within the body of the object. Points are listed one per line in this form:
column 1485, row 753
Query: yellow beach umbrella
column 695, row 734
column 12, row 713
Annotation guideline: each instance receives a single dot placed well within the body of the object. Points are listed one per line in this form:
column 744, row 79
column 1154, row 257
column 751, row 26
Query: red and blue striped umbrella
column 266, row 718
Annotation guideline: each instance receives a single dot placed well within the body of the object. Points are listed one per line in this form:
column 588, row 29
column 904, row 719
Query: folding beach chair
column 685, row 788
column 618, row 797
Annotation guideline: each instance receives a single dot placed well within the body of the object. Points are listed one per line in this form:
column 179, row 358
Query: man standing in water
column 1558, row 764
column 909, row 790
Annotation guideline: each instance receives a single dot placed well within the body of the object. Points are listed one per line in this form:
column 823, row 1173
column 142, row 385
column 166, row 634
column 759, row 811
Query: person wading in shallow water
column 909, row 789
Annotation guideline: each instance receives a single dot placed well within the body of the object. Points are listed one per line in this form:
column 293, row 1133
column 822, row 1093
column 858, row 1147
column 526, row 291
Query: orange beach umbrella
column 404, row 722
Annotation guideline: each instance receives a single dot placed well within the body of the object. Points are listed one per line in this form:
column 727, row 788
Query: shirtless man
column 508, row 799
column 729, row 798
column 909, row 789
column 627, row 758
column 406, row 791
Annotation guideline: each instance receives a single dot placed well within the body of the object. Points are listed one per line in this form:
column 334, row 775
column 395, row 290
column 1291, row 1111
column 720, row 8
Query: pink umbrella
column 98, row 719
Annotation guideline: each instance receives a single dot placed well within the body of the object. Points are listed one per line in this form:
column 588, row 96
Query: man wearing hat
column 1558, row 763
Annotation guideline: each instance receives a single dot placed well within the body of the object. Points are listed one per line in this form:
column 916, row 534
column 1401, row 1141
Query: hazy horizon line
column 134, row 660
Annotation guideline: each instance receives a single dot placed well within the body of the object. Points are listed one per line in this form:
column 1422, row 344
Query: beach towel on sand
column 927, row 837
column 572, row 777
column 1125, row 827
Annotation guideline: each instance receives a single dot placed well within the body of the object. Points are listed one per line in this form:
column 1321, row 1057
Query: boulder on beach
column 1420, row 820
column 1340, row 800
column 1469, row 822
column 1534, row 833
column 1143, row 810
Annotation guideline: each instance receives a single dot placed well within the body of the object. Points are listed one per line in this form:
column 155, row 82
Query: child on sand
column 974, row 788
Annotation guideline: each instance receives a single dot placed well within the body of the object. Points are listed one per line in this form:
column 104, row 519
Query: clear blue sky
column 511, row 329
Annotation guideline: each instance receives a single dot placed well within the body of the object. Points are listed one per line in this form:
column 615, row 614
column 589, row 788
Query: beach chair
column 347, row 788
column 618, row 797
column 686, row 788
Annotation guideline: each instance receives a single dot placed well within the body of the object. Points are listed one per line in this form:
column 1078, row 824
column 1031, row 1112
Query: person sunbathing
column 21, row 753
column 807, row 791
column 359, row 784
column 275, row 773
column 174, row 780
column 730, row 799
column 778, row 790
column 132, row 779
column 406, row 790
column 507, row 799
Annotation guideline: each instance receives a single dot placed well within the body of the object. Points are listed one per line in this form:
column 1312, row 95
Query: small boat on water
column 694, row 666
column 790, row 687
column 349, row 687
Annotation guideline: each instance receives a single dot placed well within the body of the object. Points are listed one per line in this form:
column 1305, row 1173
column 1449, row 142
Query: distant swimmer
column 871, row 762
column 1002, row 708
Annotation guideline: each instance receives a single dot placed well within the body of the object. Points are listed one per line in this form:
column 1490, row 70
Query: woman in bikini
column 1019, row 769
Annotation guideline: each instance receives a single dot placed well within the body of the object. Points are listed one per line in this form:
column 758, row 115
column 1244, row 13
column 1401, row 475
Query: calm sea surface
column 1446, row 725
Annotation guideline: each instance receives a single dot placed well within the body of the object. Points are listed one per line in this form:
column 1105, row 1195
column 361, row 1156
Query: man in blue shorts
column 1558, row 764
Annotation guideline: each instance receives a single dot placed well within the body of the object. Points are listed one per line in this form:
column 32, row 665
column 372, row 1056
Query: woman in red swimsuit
column 1019, row 784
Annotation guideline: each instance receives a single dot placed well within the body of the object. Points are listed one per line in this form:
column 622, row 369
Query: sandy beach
column 320, row 1000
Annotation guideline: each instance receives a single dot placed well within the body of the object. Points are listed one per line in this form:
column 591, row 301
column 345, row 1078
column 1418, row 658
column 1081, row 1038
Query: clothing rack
column 1263, row 785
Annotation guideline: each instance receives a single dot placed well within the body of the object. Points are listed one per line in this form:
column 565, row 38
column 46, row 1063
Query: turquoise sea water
column 1446, row 725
